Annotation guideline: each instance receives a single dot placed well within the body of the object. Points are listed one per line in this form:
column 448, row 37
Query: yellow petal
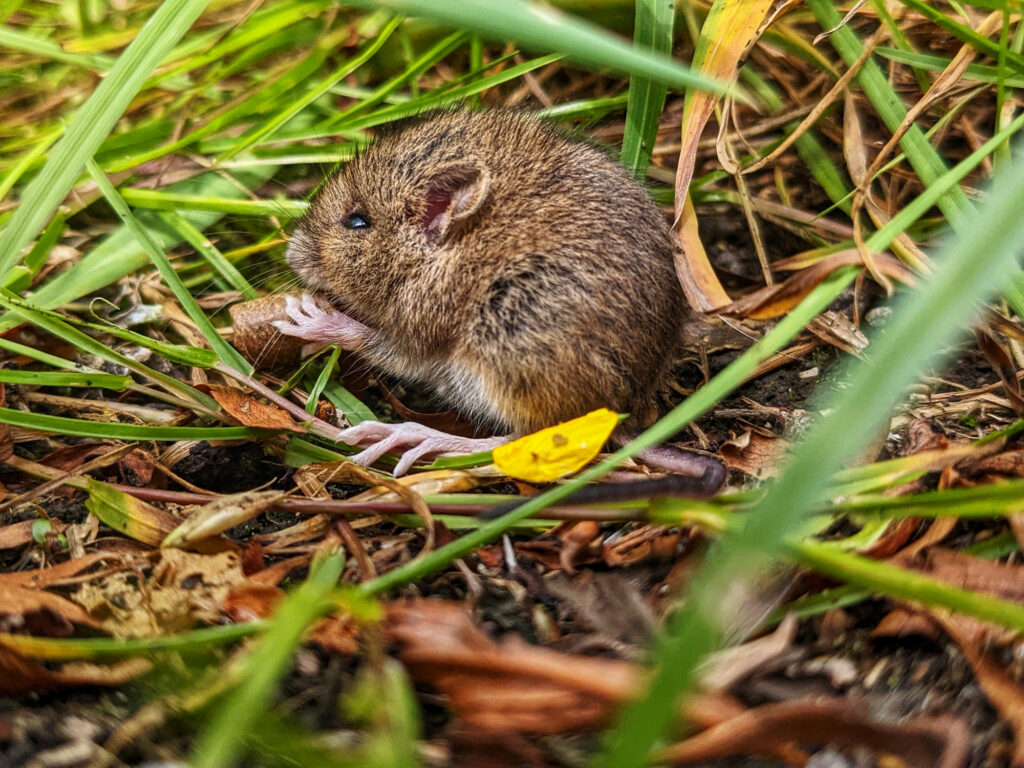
column 556, row 451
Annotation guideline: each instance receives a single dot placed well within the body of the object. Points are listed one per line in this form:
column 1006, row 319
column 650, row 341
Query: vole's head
column 390, row 213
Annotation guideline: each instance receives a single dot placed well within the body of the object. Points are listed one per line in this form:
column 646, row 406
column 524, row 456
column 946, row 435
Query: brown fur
column 518, row 271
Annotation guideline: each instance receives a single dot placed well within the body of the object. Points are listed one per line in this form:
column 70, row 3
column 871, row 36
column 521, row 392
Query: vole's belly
column 457, row 383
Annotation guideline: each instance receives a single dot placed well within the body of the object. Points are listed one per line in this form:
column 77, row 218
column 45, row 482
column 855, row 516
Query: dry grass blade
column 731, row 29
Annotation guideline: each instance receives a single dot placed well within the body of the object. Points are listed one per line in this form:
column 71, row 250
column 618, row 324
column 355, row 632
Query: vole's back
column 554, row 295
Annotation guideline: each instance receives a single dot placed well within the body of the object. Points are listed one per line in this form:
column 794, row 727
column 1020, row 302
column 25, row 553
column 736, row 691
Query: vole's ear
column 451, row 195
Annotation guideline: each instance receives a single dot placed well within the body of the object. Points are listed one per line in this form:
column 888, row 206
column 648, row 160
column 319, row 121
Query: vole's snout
column 297, row 252
column 303, row 256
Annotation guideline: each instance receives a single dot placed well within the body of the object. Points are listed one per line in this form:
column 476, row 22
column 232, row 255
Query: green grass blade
column 920, row 153
column 93, row 122
column 979, row 72
column 120, row 254
column 653, row 30
column 42, row 357
column 28, row 160
column 84, row 648
column 228, row 272
column 543, row 28
column 161, row 200
column 17, row 40
column 355, row 410
column 57, row 326
column 963, row 32
column 881, row 577
column 973, row 266
column 107, row 430
column 65, row 379
column 325, row 375
column 219, row 746
column 408, row 75
column 227, row 354
column 289, row 110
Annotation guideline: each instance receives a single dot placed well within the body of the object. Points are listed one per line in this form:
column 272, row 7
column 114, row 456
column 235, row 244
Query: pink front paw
column 312, row 322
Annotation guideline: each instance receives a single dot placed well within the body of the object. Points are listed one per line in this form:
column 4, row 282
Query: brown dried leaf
column 730, row 30
column 22, row 602
column 896, row 534
column 251, row 601
column 776, row 300
column 16, row 535
column 71, row 456
column 182, row 589
column 506, row 687
column 999, row 357
column 65, row 573
column 650, row 542
column 976, row 574
column 137, row 467
column 577, row 540
column 307, row 531
column 727, row 667
column 22, row 675
column 902, row 622
column 925, row 742
column 755, row 454
column 337, row 635
column 250, row 412
column 1004, row 693
column 221, row 514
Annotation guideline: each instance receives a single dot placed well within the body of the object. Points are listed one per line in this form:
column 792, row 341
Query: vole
column 517, row 270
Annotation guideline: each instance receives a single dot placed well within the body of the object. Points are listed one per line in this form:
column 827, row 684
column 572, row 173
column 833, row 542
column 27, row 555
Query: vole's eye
column 356, row 221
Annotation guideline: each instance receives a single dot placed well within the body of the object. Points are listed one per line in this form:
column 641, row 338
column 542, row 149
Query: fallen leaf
column 182, row 589
column 16, row 534
column 1000, row 688
column 755, row 454
column 68, row 572
column 730, row 29
column 649, row 542
column 126, row 514
column 924, row 742
column 727, row 667
column 976, row 574
column 251, row 601
column 508, row 687
column 22, row 675
column 778, row 299
column 137, row 467
column 308, row 532
column 221, row 514
column 23, row 602
column 250, row 412
column 557, row 451
column 514, row 687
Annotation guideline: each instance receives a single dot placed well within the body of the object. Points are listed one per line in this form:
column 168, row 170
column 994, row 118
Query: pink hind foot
column 420, row 441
